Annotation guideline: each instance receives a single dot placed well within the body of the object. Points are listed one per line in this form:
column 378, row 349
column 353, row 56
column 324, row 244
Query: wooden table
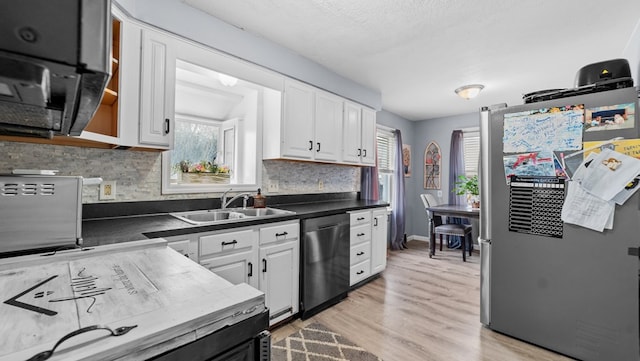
column 448, row 210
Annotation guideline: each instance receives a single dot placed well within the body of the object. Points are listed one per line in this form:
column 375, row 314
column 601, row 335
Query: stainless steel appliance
column 561, row 286
column 39, row 213
column 324, row 263
column 55, row 62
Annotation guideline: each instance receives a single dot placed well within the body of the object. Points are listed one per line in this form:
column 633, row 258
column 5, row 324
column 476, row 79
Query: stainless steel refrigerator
column 560, row 286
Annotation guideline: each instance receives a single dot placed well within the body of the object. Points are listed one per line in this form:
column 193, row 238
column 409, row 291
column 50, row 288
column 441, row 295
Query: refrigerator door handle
column 485, row 173
column 485, row 282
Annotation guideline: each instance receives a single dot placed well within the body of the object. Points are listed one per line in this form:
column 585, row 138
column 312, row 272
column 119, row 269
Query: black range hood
column 55, row 61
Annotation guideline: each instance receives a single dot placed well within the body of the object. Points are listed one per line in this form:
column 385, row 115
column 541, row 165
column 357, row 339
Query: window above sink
column 220, row 104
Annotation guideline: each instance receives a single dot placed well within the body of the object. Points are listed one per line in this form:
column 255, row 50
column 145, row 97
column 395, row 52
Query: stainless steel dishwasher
column 324, row 263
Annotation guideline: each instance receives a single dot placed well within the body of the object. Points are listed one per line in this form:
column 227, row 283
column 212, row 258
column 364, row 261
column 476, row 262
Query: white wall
column 419, row 134
column 424, row 132
column 406, row 127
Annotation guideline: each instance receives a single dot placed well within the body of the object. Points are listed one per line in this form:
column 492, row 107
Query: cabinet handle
column 281, row 234
column 112, row 332
column 364, row 153
column 359, row 253
column 167, row 124
column 311, row 145
column 318, row 147
column 229, row 243
column 359, row 152
column 359, row 272
column 264, row 265
column 375, row 222
column 360, row 234
column 250, row 270
column 360, row 218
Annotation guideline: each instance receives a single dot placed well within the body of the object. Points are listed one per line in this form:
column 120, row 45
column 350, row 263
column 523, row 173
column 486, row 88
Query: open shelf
column 109, row 97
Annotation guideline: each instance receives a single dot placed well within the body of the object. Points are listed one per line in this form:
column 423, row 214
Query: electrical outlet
column 439, row 194
column 107, row 190
column 273, row 187
column 320, row 185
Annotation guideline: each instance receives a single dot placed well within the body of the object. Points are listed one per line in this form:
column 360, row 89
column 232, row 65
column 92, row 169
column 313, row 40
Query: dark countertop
column 108, row 230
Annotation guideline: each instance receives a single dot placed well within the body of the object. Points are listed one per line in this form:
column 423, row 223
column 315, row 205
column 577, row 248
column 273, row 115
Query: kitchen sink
column 262, row 212
column 212, row 216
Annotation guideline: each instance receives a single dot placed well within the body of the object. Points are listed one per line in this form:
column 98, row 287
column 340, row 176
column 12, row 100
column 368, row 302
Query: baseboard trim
column 417, row 237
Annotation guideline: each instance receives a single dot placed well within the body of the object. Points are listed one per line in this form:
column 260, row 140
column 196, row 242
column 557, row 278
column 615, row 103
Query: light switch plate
column 107, row 190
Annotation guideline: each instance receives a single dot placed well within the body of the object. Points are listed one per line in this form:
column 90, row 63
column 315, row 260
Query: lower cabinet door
column 379, row 241
column 236, row 268
column 279, row 266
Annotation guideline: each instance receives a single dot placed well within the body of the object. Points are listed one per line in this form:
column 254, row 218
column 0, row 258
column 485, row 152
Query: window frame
column 471, row 147
column 199, row 55
column 388, row 171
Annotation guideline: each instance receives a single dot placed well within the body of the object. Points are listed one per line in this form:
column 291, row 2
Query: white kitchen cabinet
column 279, row 279
column 298, row 116
column 368, row 140
column 280, row 269
column 186, row 245
column 157, row 96
column 137, row 109
column 368, row 239
column 360, row 241
column 379, row 227
column 231, row 254
column 328, row 127
column 311, row 124
column 265, row 257
column 236, row 268
column 359, row 134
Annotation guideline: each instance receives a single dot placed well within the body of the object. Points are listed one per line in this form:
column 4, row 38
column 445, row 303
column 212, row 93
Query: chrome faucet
column 224, row 203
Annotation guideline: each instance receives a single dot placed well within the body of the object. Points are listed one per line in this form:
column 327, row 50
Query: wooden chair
column 444, row 229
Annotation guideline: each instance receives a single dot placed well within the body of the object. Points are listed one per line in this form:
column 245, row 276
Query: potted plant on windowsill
column 468, row 186
column 203, row 172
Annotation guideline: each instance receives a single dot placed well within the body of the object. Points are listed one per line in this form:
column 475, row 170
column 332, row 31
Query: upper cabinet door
column 298, row 120
column 368, row 137
column 359, row 137
column 328, row 127
column 158, row 75
column 352, row 148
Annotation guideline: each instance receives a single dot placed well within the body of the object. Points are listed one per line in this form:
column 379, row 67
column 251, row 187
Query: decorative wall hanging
column 432, row 175
column 406, row 160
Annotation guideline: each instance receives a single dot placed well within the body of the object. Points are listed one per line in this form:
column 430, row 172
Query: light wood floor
column 422, row 309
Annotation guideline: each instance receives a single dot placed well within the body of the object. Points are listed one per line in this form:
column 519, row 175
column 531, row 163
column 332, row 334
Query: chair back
column 430, row 201
column 425, row 201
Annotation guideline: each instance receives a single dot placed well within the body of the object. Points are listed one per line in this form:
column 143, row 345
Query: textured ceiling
column 416, row 52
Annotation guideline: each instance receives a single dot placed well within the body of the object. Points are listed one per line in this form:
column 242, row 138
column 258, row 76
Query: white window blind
column 386, row 159
column 386, row 150
column 471, row 141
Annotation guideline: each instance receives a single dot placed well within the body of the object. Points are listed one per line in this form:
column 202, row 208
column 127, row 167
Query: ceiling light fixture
column 469, row 91
column 227, row 80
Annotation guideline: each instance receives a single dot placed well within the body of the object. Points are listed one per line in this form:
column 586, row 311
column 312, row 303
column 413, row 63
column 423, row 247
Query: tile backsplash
column 138, row 173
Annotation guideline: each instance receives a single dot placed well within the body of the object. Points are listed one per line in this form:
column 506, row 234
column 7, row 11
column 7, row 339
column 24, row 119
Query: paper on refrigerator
column 586, row 210
column 581, row 207
column 609, row 173
column 550, row 129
